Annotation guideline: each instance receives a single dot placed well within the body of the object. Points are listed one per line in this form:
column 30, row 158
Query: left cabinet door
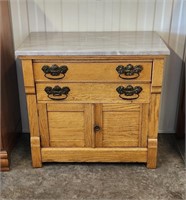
column 66, row 125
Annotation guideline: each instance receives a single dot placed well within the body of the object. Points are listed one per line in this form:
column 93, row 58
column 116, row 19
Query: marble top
column 92, row 43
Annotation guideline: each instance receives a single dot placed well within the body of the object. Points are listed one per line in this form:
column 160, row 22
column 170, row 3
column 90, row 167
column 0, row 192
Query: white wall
column 20, row 27
column 167, row 17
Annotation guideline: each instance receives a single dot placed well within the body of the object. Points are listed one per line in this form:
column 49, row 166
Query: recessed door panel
column 121, row 128
column 120, row 125
column 66, row 128
column 68, row 125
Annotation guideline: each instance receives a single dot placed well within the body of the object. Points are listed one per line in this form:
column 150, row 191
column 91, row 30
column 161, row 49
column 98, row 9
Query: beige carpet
column 64, row 181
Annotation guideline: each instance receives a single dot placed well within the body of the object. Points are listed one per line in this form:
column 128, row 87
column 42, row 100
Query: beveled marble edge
column 96, row 53
column 92, row 43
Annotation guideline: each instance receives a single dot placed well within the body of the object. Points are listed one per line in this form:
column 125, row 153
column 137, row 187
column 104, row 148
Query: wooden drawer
column 93, row 72
column 92, row 93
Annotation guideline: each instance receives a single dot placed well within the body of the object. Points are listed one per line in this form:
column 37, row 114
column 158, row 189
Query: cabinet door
column 121, row 125
column 66, row 125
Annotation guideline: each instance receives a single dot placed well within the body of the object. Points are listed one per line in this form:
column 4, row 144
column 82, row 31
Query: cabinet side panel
column 157, row 75
column 153, row 131
column 154, row 115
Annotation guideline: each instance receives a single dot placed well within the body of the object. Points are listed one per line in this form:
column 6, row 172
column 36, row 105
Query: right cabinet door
column 121, row 125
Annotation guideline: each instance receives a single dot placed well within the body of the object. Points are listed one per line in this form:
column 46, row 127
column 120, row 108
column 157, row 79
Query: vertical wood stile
column 34, row 131
column 152, row 153
column 99, row 122
column 158, row 67
column 153, row 131
column 154, row 116
column 28, row 73
column 140, row 125
column 144, row 125
column 32, row 112
column 43, row 124
column 36, row 152
column 89, row 133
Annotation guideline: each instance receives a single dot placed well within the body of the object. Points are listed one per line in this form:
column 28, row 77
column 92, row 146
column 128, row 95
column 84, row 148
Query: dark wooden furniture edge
column 10, row 107
column 5, row 154
column 4, row 161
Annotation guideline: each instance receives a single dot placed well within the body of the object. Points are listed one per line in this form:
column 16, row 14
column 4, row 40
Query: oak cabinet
column 108, row 118
column 93, row 108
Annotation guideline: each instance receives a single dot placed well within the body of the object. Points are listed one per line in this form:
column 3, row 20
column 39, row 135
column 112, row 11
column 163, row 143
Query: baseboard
column 167, row 131
column 19, row 126
column 4, row 161
column 25, row 130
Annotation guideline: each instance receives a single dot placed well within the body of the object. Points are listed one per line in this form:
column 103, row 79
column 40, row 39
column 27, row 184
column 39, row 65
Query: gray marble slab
column 93, row 43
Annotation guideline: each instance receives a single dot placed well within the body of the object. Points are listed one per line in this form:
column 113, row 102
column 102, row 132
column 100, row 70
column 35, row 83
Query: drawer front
column 93, row 92
column 93, row 72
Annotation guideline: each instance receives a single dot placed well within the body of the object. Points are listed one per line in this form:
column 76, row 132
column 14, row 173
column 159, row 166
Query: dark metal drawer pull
column 128, row 92
column 129, row 71
column 56, row 92
column 55, row 70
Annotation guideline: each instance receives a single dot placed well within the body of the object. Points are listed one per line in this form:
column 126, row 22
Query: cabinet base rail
column 94, row 155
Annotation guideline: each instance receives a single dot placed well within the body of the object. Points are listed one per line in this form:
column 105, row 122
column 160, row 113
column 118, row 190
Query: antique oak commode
column 93, row 97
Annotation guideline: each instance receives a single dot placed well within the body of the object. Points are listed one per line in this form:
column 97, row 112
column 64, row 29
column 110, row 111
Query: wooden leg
column 36, row 152
column 34, row 131
column 153, row 131
column 4, row 161
column 152, row 153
